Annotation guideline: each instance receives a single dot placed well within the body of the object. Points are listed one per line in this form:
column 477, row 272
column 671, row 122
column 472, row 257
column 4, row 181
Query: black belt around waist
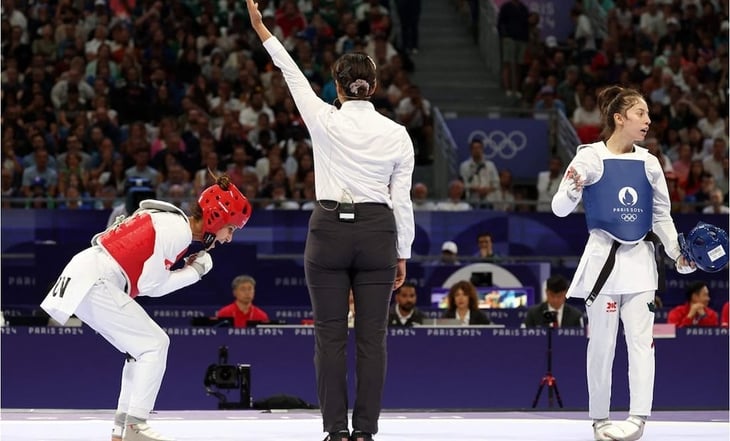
column 611, row 261
column 332, row 204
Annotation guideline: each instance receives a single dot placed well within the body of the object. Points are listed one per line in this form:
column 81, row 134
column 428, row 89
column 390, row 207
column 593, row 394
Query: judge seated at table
column 554, row 311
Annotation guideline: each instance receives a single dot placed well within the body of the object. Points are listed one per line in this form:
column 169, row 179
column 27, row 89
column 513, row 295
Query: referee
column 360, row 232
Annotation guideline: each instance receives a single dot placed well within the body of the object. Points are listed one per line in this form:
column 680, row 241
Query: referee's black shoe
column 342, row 435
column 360, row 436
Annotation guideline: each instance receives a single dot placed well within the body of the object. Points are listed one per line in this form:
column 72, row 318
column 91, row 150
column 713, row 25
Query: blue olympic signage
column 519, row 145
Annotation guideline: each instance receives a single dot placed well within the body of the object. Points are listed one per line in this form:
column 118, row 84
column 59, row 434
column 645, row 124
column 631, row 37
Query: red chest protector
column 130, row 245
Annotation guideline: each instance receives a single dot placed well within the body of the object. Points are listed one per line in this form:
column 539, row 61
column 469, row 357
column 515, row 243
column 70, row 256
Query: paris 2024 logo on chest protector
column 628, row 197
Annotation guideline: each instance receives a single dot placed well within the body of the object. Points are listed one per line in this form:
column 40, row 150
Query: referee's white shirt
column 358, row 153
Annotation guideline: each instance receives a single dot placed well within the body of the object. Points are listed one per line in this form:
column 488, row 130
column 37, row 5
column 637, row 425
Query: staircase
column 450, row 70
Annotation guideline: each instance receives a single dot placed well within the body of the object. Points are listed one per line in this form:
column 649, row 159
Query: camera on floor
column 223, row 378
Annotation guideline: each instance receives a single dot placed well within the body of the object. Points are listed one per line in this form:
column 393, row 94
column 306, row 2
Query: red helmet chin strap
column 208, row 239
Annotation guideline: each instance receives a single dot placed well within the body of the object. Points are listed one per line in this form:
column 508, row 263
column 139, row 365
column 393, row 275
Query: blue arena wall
column 447, row 368
column 36, row 244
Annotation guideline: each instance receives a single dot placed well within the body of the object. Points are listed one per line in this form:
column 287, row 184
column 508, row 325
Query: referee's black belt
column 611, row 261
column 328, row 203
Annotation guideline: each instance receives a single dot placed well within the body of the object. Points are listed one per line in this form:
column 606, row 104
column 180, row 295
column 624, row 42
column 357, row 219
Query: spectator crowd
column 95, row 92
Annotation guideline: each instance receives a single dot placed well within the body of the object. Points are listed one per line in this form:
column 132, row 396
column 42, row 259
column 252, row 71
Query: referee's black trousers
column 340, row 255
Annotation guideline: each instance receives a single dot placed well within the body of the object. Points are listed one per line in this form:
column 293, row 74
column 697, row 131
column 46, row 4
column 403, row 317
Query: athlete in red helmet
column 222, row 205
column 133, row 257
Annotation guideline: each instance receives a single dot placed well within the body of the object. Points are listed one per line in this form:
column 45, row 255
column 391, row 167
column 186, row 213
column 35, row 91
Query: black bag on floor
column 282, row 402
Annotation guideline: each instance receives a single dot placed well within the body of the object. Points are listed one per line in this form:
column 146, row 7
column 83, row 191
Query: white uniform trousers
column 638, row 320
column 125, row 324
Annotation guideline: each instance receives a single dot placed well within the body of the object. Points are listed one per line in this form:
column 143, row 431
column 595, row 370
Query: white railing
column 445, row 161
column 567, row 138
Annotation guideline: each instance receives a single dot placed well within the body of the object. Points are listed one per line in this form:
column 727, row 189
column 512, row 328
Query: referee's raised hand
column 257, row 21
column 254, row 13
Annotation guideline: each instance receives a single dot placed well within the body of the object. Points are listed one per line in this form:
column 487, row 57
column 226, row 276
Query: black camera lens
column 226, row 377
column 225, row 374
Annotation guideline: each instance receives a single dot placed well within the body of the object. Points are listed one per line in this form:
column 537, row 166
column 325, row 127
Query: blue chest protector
column 621, row 201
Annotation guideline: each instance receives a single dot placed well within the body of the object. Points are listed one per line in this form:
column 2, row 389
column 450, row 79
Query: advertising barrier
column 436, row 368
column 37, row 244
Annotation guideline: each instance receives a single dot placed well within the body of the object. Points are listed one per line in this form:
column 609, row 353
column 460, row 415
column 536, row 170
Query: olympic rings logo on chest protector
column 628, row 217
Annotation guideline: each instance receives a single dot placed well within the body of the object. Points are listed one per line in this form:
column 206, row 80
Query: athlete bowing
column 133, row 257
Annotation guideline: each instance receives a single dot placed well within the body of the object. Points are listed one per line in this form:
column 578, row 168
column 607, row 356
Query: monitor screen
column 490, row 297
column 481, row 278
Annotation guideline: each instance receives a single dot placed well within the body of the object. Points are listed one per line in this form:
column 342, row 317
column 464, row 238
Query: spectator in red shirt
column 242, row 309
column 290, row 19
column 724, row 320
column 695, row 312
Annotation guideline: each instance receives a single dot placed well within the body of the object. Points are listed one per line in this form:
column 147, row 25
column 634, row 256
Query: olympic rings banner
column 517, row 144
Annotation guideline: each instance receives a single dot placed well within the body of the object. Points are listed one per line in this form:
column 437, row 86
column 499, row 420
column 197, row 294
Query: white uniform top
column 172, row 237
column 635, row 269
column 358, row 153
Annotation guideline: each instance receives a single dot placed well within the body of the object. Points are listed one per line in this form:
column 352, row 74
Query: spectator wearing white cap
column 449, row 254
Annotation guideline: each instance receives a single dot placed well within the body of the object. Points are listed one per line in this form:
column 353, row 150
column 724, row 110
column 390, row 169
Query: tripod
column 549, row 379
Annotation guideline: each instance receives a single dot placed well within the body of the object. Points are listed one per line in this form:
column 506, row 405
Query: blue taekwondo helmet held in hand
column 706, row 246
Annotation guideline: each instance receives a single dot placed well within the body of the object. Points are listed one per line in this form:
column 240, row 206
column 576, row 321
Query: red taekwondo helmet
column 222, row 207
